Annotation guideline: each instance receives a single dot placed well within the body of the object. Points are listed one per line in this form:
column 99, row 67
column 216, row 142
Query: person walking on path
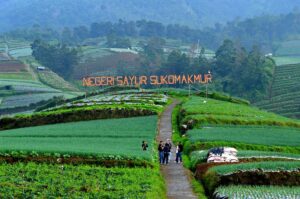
column 166, row 153
column 170, row 147
column 179, row 150
column 144, row 146
column 161, row 152
column 176, row 176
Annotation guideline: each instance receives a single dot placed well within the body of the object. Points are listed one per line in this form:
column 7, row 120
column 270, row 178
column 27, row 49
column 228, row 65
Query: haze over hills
column 194, row 13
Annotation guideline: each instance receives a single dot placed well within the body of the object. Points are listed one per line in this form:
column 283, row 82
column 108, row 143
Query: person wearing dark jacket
column 166, row 151
column 161, row 152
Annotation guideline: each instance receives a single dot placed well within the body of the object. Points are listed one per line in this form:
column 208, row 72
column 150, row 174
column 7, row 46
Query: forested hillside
column 60, row 13
column 278, row 34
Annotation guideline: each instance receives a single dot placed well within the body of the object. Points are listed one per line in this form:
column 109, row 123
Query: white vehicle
column 222, row 154
column 41, row 68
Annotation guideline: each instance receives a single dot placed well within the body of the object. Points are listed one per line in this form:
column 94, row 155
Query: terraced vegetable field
column 33, row 180
column 253, row 166
column 4, row 56
column 201, row 155
column 55, row 81
column 284, row 94
column 268, row 136
column 111, row 137
column 289, row 48
column 91, row 52
column 12, row 66
column 21, row 51
column 261, row 192
column 284, row 173
column 208, row 111
column 19, row 89
column 284, row 60
column 16, row 76
column 267, row 145
column 27, row 99
column 140, row 100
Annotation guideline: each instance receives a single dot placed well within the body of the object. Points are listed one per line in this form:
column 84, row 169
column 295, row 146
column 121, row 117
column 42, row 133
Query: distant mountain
column 194, row 13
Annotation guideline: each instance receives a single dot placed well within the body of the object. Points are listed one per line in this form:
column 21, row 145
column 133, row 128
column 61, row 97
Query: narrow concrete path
column 176, row 176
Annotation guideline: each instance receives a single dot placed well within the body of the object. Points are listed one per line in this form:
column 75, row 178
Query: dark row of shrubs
column 70, row 116
column 104, row 161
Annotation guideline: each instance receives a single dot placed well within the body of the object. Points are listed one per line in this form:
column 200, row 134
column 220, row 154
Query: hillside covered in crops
column 267, row 149
column 132, row 99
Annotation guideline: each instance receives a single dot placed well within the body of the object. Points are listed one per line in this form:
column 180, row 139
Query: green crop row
column 198, row 105
column 268, row 136
column 240, row 146
column 82, row 181
column 199, row 111
column 261, row 192
column 273, row 166
column 203, row 120
column 285, row 93
column 122, row 137
column 52, row 79
column 71, row 115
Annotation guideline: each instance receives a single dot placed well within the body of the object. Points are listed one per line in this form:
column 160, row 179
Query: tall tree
column 177, row 63
column 59, row 58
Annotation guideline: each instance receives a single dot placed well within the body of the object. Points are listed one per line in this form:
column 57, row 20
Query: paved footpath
column 176, row 176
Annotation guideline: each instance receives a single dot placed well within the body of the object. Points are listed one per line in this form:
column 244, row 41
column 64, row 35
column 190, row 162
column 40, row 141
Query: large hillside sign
column 146, row 80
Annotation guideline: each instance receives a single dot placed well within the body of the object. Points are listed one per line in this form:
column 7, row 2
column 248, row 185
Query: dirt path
column 176, row 176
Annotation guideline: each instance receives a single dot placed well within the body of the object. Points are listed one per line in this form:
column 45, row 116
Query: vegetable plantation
column 33, row 180
column 55, row 81
column 111, row 137
column 284, row 96
column 268, row 148
column 151, row 101
column 283, row 60
column 23, row 92
column 12, row 66
column 27, row 99
column 261, row 192
column 209, row 111
column 253, row 166
column 278, row 136
column 201, row 156
column 288, row 48
column 21, row 51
